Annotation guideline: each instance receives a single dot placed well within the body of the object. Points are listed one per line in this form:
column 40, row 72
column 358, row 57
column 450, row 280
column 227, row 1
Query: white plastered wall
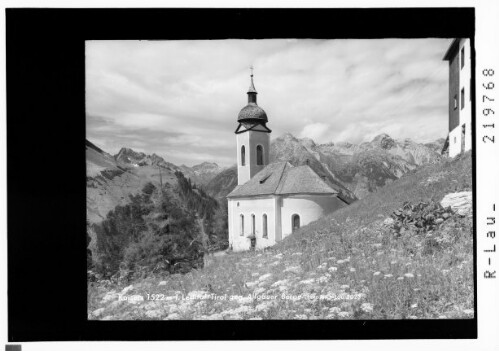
column 308, row 207
column 257, row 206
column 455, row 135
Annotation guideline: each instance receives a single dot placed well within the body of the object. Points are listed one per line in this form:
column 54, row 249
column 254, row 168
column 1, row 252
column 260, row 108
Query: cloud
column 180, row 99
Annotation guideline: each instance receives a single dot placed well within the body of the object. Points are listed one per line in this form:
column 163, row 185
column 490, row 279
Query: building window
column 253, row 224
column 295, row 222
column 242, row 225
column 264, row 226
column 462, row 98
column 462, row 57
column 455, row 102
column 455, row 140
column 243, row 155
column 259, row 155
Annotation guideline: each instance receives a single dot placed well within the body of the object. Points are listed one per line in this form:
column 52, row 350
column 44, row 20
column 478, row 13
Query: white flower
column 344, row 314
column 334, row 310
column 173, row 316
column 366, row 307
column 393, row 262
column 344, row 287
column 332, row 269
column 255, row 274
column 400, row 278
column 468, row 312
column 265, row 277
column 376, row 273
column 409, row 275
column 98, row 312
column 352, row 270
column 280, row 282
column 251, row 285
column 162, row 283
column 414, row 305
column 153, row 314
column 388, row 275
column 301, row 316
column 323, row 279
column 308, row 281
column 340, row 262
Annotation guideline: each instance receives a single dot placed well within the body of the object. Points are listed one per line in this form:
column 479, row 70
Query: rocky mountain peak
column 384, row 141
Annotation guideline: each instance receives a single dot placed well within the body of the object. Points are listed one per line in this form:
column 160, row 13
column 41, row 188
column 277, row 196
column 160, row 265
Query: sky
column 181, row 99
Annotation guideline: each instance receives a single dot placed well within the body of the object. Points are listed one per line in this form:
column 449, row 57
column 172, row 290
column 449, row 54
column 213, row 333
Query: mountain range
column 354, row 169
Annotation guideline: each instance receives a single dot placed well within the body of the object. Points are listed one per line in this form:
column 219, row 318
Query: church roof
column 282, row 178
column 252, row 112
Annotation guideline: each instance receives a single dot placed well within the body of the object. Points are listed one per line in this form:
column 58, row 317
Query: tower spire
column 252, row 91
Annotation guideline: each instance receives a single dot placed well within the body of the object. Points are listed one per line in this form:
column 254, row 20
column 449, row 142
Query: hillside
column 395, row 254
column 111, row 180
column 127, row 199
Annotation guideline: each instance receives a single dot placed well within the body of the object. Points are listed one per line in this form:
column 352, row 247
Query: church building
column 271, row 200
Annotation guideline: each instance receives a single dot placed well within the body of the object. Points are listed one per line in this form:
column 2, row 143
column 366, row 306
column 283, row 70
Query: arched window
column 295, row 222
column 243, row 155
column 242, row 225
column 264, row 226
column 259, row 155
column 253, row 224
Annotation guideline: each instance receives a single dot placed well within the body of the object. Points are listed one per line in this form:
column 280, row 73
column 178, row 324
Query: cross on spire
column 251, row 68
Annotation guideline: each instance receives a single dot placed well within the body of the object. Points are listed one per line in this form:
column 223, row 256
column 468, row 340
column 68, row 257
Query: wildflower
column 414, row 305
column 334, row 310
column 393, row 262
column 216, row 316
column 153, row 314
column 255, row 274
column 340, row 262
column 308, row 281
column 297, row 254
column 323, row 279
column 409, row 275
column 301, row 316
column 442, row 317
column 344, row 314
column 255, row 319
column 265, row 277
column 280, row 282
column 332, row 269
column 344, row 287
column 352, row 270
column 468, row 312
column 412, row 317
column 259, row 291
column 376, row 273
column 445, row 271
column 366, row 307
column 251, row 285
column 400, row 278
column 388, row 275
column 173, row 316
column 162, row 283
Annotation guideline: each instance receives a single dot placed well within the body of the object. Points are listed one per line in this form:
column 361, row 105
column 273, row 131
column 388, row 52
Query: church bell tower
column 253, row 138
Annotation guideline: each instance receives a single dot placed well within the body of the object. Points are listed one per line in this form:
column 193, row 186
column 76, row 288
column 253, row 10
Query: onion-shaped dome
column 252, row 112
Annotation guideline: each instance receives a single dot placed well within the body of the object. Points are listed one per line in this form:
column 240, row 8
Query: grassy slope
column 348, row 252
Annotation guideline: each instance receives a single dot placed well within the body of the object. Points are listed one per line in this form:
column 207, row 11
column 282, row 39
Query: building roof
column 252, row 112
column 282, row 178
column 452, row 50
